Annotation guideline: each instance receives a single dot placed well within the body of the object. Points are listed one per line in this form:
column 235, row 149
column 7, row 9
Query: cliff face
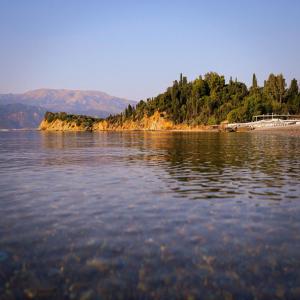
column 59, row 125
column 157, row 121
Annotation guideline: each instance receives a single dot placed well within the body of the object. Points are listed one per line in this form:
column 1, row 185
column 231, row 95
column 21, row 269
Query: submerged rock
column 3, row 256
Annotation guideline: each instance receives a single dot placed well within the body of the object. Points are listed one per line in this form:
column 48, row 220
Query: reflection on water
column 149, row 215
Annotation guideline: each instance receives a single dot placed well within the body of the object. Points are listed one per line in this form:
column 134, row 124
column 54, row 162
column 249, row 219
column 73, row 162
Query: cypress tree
column 293, row 89
column 254, row 82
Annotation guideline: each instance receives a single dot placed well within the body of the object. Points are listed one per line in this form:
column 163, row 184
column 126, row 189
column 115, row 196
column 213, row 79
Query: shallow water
column 149, row 215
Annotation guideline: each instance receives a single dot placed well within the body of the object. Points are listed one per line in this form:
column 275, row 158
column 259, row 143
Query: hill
column 209, row 100
column 205, row 101
column 19, row 116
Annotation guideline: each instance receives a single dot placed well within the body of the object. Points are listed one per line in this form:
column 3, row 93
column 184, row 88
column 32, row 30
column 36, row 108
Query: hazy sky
column 135, row 49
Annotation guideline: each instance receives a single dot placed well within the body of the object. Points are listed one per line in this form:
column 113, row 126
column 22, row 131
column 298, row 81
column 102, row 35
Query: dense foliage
column 210, row 100
column 79, row 120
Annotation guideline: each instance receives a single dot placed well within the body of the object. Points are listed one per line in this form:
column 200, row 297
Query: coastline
column 286, row 127
column 261, row 129
column 291, row 130
column 186, row 129
column 156, row 122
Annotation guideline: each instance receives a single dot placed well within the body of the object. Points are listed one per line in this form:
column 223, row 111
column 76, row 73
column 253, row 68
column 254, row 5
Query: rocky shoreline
column 158, row 122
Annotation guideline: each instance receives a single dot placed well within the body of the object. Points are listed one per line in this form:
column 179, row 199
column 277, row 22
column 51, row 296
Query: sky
column 136, row 49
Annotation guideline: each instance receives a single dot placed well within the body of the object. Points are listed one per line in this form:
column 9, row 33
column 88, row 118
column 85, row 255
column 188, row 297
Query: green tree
column 274, row 88
column 254, row 82
column 293, row 90
column 254, row 88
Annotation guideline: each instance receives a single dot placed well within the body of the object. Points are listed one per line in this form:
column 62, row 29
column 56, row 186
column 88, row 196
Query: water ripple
column 149, row 215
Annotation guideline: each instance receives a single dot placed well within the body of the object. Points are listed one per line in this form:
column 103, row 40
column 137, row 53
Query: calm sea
column 149, row 215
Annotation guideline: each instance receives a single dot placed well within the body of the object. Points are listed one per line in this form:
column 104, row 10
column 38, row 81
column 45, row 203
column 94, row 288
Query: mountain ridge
column 87, row 102
column 54, row 90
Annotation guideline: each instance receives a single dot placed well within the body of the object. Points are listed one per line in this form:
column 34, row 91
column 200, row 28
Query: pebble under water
column 149, row 215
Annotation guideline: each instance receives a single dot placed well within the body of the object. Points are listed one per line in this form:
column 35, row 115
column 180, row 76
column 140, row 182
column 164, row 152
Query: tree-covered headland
column 80, row 120
column 210, row 100
column 207, row 100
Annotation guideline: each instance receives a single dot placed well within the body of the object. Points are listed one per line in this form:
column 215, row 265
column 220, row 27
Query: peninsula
column 206, row 103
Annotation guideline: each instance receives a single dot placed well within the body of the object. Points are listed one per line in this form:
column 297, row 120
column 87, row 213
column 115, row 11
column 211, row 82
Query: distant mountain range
column 27, row 110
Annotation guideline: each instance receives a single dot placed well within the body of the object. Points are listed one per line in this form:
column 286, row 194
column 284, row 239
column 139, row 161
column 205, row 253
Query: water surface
column 149, row 215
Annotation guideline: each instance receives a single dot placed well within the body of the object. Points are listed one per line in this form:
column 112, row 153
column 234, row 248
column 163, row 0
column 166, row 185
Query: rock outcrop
column 158, row 121
column 59, row 125
column 155, row 122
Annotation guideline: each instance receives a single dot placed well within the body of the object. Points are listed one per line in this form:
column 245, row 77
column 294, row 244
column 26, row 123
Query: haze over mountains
column 27, row 110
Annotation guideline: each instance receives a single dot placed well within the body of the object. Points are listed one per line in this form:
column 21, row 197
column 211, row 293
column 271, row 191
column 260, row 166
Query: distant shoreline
column 18, row 129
